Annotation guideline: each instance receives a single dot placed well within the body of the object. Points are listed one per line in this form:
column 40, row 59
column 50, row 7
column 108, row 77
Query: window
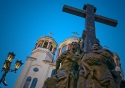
column 35, row 69
column 53, row 72
column 28, row 80
column 45, row 45
column 34, row 82
column 64, row 49
column 39, row 45
column 51, row 47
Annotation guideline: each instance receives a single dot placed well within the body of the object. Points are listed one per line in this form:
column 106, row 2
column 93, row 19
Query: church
column 41, row 64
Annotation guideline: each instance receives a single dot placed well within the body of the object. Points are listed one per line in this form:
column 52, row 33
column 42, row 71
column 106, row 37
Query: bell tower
column 39, row 65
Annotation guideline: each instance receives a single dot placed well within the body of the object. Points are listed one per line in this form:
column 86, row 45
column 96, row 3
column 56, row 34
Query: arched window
column 28, row 80
column 64, row 49
column 51, row 47
column 39, row 45
column 45, row 44
column 34, row 82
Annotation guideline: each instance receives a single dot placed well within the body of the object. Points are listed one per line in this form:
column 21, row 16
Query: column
column 69, row 46
column 43, row 43
column 49, row 44
column 39, row 44
column 58, row 53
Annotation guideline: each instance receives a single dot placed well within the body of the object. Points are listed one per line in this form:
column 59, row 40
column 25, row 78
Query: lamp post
column 6, row 67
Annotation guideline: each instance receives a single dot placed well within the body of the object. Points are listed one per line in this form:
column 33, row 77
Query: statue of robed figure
column 97, row 70
column 67, row 73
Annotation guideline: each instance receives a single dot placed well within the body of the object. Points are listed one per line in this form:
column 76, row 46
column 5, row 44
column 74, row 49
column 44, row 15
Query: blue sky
column 22, row 22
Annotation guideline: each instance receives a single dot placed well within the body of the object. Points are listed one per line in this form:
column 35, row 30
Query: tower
column 39, row 65
column 65, row 45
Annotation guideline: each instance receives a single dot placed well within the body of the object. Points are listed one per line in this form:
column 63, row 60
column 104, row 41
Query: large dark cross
column 90, row 18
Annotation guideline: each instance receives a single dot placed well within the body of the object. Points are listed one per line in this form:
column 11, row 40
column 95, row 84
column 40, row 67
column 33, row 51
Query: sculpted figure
column 67, row 73
column 97, row 70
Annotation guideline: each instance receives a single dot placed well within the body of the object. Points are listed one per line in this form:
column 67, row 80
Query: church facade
column 41, row 65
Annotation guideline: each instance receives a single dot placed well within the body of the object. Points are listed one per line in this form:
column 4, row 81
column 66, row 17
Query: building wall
column 44, row 69
column 42, row 58
column 21, row 79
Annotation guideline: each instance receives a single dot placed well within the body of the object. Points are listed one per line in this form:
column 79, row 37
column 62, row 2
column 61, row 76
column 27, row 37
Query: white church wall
column 22, row 77
column 37, row 61
column 37, row 75
column 48, row 57
column 42, row 54
column 39, row 54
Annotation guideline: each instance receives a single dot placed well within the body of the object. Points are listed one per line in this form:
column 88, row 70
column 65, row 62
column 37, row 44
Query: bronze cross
column 88, row 13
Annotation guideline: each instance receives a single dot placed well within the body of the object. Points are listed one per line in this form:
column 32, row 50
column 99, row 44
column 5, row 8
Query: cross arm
column 74, row 11
column 82, row 13
column 106, row 20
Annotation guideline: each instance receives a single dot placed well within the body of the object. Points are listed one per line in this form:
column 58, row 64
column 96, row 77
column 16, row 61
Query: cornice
column 49, row 62
column 31, row 58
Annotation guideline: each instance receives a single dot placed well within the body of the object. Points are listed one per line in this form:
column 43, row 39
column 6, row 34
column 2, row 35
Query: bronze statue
column 67, row 73
column 97, row 70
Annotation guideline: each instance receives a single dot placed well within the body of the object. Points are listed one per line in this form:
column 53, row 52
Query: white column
column 43, row 43
column 69, row 46
column 58, row 53
column 49, row 44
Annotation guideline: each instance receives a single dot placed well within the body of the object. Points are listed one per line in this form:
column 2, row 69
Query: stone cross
column 88, row 13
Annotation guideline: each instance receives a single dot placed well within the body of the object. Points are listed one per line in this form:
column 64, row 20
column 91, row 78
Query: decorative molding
column 48, row 38
column 49, row 62
column 30, row 58
column 36, row 65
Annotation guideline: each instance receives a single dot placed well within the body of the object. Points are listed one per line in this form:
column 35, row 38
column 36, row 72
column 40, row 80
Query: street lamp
column 17, row 65
column 6, row 67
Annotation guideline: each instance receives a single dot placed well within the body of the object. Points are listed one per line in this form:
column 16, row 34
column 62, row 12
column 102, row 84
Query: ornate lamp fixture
column 6, row 66
column 17, row 65
column 11, row 56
